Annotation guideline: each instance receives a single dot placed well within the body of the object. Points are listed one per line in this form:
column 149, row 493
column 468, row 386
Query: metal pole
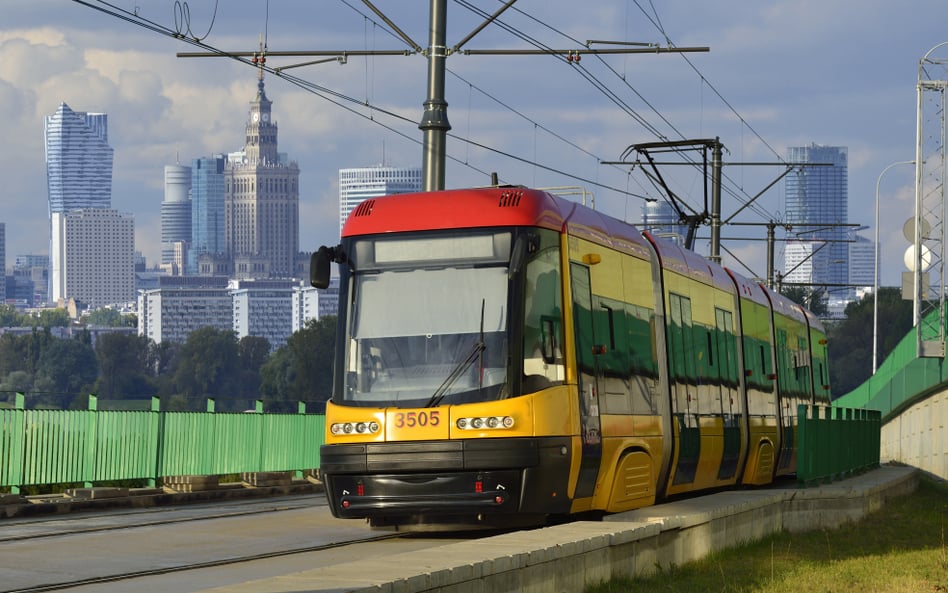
column 770, row 254
column 434, row 122
column 716, row 202
column 875, row 281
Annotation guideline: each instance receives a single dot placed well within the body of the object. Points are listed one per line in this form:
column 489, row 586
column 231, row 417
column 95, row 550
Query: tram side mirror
column 320, row 266
column 525, row 244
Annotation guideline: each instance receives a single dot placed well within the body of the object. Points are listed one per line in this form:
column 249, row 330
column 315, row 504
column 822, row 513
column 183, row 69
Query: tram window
column 542, row 323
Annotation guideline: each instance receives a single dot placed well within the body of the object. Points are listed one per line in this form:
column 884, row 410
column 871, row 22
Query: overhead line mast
column 434, row 121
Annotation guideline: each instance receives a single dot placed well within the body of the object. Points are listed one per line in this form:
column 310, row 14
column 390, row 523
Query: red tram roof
column 459, row 208
column 490, row 207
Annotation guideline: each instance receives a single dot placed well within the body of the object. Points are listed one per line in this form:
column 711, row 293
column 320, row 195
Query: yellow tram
column 506, row 356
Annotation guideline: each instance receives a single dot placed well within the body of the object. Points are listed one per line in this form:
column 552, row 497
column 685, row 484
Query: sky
column 777, row 74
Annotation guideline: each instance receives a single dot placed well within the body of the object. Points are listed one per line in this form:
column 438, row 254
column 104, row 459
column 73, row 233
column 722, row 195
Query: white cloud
column 832, row 73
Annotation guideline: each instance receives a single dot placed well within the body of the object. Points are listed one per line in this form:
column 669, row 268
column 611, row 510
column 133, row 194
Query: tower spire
column 260, row 59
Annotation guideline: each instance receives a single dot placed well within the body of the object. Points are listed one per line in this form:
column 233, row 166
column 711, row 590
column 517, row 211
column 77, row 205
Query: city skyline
column 795, row 80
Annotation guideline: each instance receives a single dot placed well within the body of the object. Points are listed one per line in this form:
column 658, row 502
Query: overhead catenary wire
column 335, row 97
column 342, row 99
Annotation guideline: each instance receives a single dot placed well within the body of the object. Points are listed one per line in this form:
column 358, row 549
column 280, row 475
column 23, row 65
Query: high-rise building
column 32, row 280
column 660, row 218
column 264, row 308
column 78, row 160
column 175, row 213
column 261, row 200
column 253, row 307
column 182, row 304
column 207, row 209
column 361, row 183
column 98, row 255
column 78, row 174
column 3, row 261
column 862, row 262
column 817, row 207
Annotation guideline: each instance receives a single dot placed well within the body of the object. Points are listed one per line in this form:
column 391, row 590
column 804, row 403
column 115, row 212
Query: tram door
column 587, row 351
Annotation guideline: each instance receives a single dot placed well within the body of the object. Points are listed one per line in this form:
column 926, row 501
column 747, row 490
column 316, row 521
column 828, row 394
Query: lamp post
column 875, row 281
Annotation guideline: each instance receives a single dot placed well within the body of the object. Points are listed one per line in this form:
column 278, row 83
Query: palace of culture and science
column 230, row 244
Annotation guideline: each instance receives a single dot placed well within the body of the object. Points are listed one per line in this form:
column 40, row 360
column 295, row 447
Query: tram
column 508, row 357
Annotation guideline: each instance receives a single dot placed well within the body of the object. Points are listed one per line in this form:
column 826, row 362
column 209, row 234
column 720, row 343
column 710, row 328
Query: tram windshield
column 427, row 319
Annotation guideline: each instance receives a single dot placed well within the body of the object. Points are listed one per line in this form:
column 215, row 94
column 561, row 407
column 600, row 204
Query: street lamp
column 875, row 281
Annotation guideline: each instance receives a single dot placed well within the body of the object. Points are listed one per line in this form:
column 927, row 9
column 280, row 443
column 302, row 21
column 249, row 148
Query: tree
column 110, row 318
column 302, row 370
column 208, row 364
column 9, row 316
column 811, row 299
column 126, row 366
column 67, row 367
column 252, row 352
column 51, row 318
column 17, row 381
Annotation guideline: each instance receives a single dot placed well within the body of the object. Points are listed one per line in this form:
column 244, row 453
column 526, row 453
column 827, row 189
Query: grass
column 899, row 549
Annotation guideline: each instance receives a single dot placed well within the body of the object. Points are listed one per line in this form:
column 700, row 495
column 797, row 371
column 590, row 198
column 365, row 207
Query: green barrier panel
column 12, row 427
column 126, row 444
column 835, row 442
column 91, row 446
column 900, row 380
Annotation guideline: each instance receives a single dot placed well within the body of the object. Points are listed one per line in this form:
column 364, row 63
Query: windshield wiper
column 475, row 354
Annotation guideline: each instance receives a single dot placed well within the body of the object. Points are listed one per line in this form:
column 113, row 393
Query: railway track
column 185, row 548
column 66, row 585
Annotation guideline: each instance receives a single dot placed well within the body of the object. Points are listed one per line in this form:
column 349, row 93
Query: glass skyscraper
column 359, row 184
column 78, row 176
column 78, row 160
column 207, row 209
column 817, row 205
column 660, row 218
column 175, row 212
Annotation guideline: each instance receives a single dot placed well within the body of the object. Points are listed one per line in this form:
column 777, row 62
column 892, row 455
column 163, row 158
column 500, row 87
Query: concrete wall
column 567, row 558
column 917, row 436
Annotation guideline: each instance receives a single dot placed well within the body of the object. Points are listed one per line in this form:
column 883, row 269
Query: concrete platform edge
column 569, row 557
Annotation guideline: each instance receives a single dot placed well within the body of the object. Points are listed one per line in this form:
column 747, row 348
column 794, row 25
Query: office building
column 207, row 210
column 264, row 308
column 78, row 175
column 97, row 255
column 3, row 261
column 176, row 215
column 359, row 184
column 817, row 208
column 31, row 284
column 249, row 307
column 862, row 262
column 182, row 304
column 261, row 200
column 661, row 220
column 305, row 305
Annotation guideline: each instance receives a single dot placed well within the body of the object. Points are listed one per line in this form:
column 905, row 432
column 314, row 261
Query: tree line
column 211, row 363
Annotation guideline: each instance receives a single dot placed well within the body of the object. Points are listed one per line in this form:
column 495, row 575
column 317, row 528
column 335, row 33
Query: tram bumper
column 392, row 482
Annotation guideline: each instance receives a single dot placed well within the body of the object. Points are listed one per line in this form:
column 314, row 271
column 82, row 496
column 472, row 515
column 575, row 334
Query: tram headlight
column 489, row 422
column 346, row 428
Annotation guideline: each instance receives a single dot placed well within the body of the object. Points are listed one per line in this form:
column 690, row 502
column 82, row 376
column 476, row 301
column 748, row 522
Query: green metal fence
column 901, row 380
column 834, row 442
column 95, row 446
